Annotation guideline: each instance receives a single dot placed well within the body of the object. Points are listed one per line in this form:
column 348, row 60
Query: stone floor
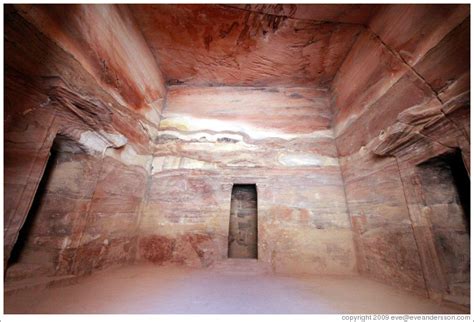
column 158, row 289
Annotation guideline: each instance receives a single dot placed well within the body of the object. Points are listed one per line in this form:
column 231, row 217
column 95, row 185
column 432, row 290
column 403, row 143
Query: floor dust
column 158, row 289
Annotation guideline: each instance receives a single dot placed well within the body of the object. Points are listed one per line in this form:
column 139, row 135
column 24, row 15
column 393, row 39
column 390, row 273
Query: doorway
column 49, row 222
column 28, row 259
column 243, row 231
column 445, row 186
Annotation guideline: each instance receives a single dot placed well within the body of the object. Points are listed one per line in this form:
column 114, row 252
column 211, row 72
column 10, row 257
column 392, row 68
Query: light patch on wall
column 129, row 156
column 220, row 147
column 306, row 159
column 97, row 142
column 187, row 123
column 170, row 162
column 93, row 142
column 117, row 140
column 152, row 131
column 153, row 114
column 242, row 164
column 202, row 136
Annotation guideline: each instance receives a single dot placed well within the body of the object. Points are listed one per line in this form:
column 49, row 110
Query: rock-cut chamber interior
column 314, row 156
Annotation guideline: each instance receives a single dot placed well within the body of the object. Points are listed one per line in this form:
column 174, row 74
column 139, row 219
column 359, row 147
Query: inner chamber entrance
column 445, row 186
column 243, row 222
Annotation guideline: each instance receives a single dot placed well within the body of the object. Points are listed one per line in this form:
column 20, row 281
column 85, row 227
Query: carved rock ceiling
column 250, row 45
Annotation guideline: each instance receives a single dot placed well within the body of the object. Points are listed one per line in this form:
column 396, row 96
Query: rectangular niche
column 243, row 233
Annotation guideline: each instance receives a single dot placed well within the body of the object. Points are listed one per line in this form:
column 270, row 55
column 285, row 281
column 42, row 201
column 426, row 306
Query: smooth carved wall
column 278, row 138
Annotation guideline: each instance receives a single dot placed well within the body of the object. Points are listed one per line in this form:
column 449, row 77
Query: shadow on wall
column 19, row 253
column 48, row 226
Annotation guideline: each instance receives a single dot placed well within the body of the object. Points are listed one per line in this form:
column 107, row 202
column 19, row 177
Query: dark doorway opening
column 445, row 180
column 49, row 222
column 446, row 189
column 463, row 185
column 243, row 231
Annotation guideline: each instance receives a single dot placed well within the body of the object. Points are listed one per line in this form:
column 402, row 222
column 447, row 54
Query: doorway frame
column 232, row 185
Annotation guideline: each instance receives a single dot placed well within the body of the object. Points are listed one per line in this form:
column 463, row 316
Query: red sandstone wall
column 449, row 223
column 105, row 40
column 49, row 92
column 278, row 138
column 400, row 99
column 55, row 224
column 110, row 228
column 386, row 248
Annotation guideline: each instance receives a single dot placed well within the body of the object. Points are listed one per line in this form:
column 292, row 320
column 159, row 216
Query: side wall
column 50, row 236
column 50, row 90
column 108, row 44
column 109, row 234
column 277, row 138
column 405, row 101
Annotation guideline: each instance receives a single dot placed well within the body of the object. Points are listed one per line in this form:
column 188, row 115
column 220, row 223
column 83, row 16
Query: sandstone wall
column 50, row 92
column 53, row 226
column 277, row 138
column 109, row 235
column 399, row 100
column 442, row 193
column 107, row 43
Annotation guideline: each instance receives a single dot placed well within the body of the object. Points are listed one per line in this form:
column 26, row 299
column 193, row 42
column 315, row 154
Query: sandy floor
column 152, row 289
